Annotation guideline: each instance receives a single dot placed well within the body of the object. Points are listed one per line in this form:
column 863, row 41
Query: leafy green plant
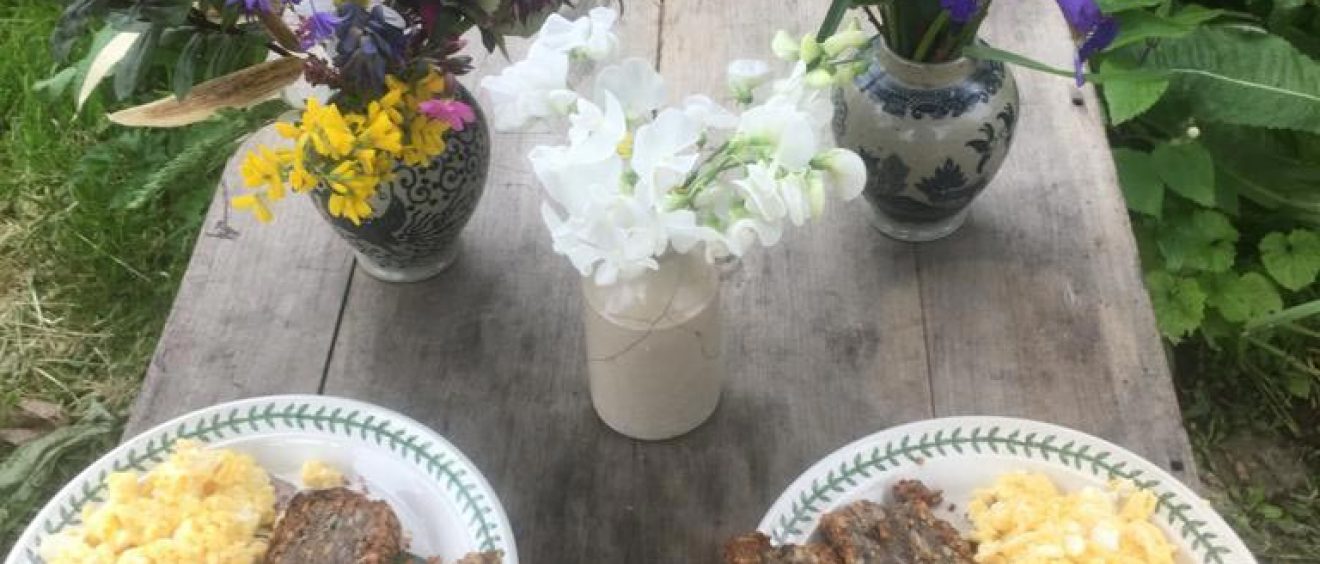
column 1216, row 123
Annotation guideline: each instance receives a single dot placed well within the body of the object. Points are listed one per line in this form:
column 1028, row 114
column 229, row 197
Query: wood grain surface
column 256, row 311
column 1034, row 309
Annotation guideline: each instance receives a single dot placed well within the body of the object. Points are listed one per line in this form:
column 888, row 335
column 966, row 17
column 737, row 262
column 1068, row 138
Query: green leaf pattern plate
column 446, row 507
column 961, row 454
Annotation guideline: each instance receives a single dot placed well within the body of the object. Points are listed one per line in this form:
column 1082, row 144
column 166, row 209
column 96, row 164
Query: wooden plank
column 255, row 313
column 823, row 336
column 1036, row 307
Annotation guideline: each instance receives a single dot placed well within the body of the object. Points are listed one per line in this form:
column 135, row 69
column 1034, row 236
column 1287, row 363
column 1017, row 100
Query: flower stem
column 935, row 29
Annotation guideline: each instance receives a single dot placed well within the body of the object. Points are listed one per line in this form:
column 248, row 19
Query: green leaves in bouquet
column 1142, row 187
column 174, row 42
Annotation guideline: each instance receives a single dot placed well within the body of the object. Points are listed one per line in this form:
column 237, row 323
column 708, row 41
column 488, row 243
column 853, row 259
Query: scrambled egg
column 1024, row 519
column 318, row 475
column 200, row 505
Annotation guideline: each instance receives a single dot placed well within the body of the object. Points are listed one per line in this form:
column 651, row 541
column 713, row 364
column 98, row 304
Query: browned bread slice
column 907, row 532
column 488, row 557
column 754, row 548
column 335, row 526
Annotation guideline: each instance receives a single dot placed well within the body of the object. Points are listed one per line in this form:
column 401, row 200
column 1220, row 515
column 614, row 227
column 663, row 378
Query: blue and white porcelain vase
column 932, row 137
column 413, row 232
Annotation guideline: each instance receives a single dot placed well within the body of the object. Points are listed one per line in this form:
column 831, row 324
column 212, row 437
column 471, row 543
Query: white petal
column 708, row 113
column 746, row 74
column 635, row 83
column 845, row 173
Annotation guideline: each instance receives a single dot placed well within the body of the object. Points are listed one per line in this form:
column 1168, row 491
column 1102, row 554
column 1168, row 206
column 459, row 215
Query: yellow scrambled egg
column 200, row 505
column 318, row 475
column 1024, row 519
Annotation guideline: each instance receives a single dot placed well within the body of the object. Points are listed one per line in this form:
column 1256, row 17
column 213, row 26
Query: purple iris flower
column 1095, row 30
column 960, row 11
column 321, row 25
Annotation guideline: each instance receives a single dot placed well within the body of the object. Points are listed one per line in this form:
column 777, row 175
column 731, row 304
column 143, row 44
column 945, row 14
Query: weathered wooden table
column 1034, row 309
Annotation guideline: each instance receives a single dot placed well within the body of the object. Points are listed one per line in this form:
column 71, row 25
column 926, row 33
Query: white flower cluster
column 636, row 179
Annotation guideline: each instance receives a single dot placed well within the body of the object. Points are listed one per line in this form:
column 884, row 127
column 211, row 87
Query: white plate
column 445, row 505
column 961, row 454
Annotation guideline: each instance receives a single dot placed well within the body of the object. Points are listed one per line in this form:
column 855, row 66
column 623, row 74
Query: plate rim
column 26, row 543
column 1170, row 488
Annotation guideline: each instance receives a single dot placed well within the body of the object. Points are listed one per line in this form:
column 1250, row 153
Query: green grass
column 85, row 282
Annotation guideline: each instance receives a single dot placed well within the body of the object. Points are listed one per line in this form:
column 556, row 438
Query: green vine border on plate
column 808, row 504
column 299, row 415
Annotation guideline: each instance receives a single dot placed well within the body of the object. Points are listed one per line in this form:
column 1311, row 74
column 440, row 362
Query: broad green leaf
column 133, row 66
column 1179, row 304
column 1142, row 188
column 1267, row 167
column 1188, row 169
column 1202, row 240
column 1194, row 15
column 1243, row 78
column 1127, row 99
column 1246, row 297
column 1293, row 259
column 185, row 67
column 104, row 61
column 56, row 85
column 1112, row 6
column 1139, row 25
column 73, row 24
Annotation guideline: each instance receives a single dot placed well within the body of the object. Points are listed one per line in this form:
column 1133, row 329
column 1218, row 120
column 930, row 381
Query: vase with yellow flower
column 388, row 145
column 395, row 158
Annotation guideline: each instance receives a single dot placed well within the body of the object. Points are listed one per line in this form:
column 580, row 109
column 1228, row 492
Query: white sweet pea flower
column 635, row 83
column 793, row 188
column 531, row 89
column 684, row 231
column 613, row 237
column 761, row 192
column 574, row 184
column 590, row 36
column 744, row 75
column 708, row 114
column 594, row 134
column 785, row 131
column 845, row 173
column 745, row 232
column 663, row 153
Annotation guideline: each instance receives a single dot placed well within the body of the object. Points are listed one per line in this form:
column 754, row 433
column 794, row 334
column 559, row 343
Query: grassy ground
column 85, row 281
column 87, row 276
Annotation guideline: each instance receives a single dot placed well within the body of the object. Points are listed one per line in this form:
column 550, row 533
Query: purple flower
column 960, row 11
column 455, row 113
column 1092, row 28
column 316, row 28
column 250, row 6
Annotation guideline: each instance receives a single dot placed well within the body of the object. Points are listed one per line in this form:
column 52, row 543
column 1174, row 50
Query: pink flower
column 453, row 112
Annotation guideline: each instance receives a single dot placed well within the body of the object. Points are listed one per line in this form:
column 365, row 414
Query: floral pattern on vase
column 932, row 137
column 418, row 216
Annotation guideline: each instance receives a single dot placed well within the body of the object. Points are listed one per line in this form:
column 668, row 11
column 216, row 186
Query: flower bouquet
column 392, row 149
column 641, row 198
column 933, row 110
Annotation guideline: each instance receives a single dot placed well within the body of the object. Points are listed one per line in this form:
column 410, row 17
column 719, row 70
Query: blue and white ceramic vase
column 413, row 232
column 932, row 137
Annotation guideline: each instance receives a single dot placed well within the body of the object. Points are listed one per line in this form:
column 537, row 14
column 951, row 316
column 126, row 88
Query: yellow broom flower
column 262, row 168
column 256, row 204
